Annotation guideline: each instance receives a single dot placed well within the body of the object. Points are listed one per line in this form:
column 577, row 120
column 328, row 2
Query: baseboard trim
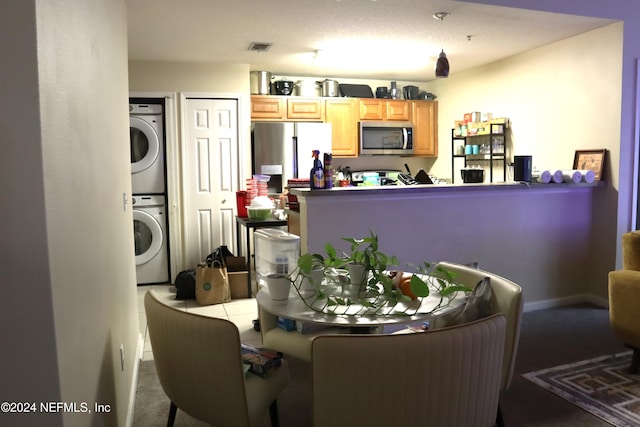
column 134, row 382
column 559, row 302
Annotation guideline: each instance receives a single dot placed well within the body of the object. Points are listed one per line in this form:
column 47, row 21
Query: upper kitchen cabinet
column 425, row 128
column 384, row 109
column 305, row 109
column 397, row 110
column 342, row 113
column 371, row 109
column 266, row 108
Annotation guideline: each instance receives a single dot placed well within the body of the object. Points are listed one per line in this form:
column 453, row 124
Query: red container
column 241, row 202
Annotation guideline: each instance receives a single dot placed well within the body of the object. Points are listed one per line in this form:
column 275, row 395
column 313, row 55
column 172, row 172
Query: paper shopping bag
column 212, row 284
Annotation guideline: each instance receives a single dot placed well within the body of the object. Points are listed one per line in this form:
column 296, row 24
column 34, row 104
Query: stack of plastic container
column 256, row 186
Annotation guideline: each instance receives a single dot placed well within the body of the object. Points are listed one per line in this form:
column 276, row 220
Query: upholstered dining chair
column 448, row 377
column 506, row 299
column 624, row 297
column 199, row 366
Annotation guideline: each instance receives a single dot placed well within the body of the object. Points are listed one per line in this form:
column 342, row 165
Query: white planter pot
column 279, row 287
column 356, row 273
column 312, row 282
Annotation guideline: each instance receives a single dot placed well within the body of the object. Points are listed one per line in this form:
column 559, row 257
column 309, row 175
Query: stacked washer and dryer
column 146, row 131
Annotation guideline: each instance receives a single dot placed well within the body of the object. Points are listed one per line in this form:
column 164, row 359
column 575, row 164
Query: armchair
column 624, row 297
column 199, row 366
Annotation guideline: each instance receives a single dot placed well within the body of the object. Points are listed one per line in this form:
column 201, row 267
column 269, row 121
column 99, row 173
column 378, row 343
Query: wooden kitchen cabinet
column 385, row 109
column 372, row 109
column 397, row 109
column 305, row 109
column 425, row 128
column 268, row 107
column 277, row 108
column 343, row 115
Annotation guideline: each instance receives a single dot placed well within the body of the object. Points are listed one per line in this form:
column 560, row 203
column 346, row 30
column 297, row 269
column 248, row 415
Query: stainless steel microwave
column 386, row 138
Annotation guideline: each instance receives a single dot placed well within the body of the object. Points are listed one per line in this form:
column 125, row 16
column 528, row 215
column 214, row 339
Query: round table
column 296, row 309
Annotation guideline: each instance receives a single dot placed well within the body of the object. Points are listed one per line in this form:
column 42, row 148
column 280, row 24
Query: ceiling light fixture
column 442, row 64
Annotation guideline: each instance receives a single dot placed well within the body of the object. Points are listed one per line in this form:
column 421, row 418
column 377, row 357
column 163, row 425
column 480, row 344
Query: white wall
column 29, row 355
column 67, row 246
column 153, row 76
column 627, row 11
column 560, row 97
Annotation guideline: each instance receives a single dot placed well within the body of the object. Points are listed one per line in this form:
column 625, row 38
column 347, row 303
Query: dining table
column 308, row 309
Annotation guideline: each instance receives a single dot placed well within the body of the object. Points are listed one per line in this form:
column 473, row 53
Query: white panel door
column 210, row 176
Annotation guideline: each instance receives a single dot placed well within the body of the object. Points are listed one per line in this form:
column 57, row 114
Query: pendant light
column 442, row 64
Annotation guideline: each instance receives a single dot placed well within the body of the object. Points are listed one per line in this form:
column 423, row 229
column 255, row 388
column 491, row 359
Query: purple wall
column 629, row 12
column 541, row 239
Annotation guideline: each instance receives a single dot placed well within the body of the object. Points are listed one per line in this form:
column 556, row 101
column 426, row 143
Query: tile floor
column 242, row 312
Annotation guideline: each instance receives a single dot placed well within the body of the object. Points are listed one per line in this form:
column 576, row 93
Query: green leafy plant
column 378, row 294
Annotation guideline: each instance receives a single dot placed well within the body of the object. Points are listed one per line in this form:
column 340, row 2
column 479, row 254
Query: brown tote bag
column 212, row 284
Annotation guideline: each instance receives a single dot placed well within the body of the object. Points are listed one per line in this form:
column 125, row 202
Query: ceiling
column 368, row 39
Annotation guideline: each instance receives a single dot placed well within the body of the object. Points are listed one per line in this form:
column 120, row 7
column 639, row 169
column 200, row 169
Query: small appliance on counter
column 375, row 177
column 472, row 175
column 421, row 177
column 522, row 166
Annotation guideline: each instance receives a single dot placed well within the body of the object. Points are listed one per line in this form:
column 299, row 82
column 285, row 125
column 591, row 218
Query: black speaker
column 522, row 168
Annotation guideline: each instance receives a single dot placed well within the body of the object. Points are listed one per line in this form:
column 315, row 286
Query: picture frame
column 590, row 160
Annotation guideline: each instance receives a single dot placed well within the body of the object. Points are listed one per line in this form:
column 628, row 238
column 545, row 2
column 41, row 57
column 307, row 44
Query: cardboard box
column 238, row 284
column 286, row 324
column 236, row 263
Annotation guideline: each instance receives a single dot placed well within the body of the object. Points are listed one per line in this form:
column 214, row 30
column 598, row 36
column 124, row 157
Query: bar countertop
column 439, row 188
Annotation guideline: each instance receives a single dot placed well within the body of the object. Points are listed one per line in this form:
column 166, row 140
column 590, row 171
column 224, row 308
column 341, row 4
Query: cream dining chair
column 448, row 377
column 506, row 299
column 200, row 368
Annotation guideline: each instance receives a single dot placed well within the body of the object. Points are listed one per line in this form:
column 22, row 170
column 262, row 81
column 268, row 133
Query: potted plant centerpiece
column 377, row 290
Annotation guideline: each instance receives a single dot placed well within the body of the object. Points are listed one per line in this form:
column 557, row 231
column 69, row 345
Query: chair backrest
column 443, row 377
column 631, row 250
column 507, row 299
column 198, row 363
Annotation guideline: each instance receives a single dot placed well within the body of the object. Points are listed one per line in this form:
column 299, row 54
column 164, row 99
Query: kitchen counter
column 542, row 236
column 438, row 188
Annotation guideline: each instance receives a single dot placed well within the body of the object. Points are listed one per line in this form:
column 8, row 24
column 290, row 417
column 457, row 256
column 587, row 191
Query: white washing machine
column 147, row 148
column 150, row 235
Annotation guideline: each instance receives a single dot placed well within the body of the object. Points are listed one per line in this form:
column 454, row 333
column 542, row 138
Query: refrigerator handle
column 295, row 157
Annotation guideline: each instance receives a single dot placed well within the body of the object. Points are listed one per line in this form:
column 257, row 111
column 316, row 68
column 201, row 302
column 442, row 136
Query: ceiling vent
column 259, row 47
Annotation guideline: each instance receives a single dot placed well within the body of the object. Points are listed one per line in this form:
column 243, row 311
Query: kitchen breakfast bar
column 542, row 236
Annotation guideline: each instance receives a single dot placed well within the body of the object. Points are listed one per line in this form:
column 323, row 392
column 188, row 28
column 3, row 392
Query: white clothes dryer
column 150, row 236
column 147, row 148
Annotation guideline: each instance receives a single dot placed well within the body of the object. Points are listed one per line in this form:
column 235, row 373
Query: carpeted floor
column 603, row 386
column 294, row 407
column 548, row 338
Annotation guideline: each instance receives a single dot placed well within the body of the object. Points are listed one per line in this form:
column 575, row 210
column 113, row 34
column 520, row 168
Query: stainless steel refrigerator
column 284, row 150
